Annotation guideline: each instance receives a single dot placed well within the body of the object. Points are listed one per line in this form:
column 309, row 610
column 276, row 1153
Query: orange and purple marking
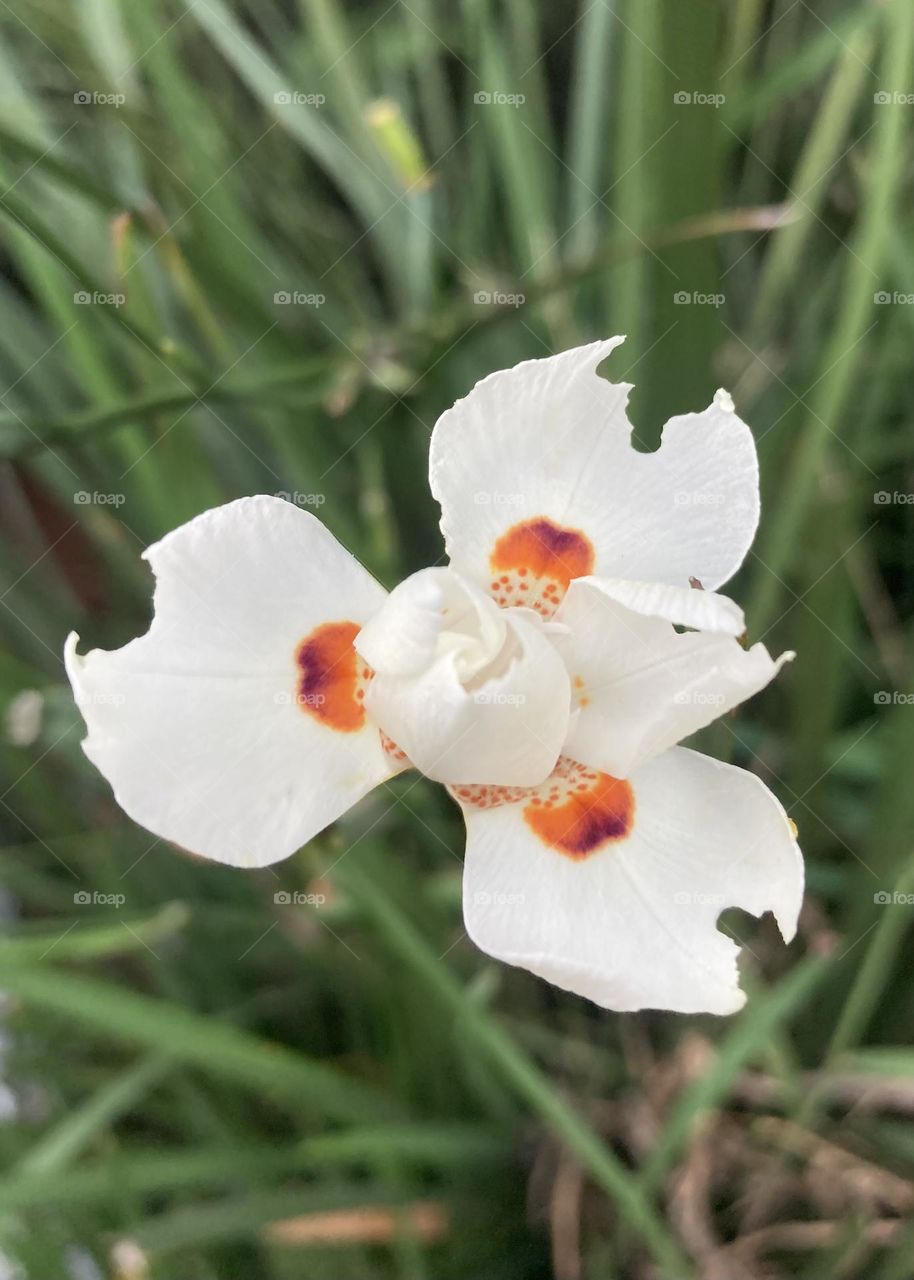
column 577, row 811
column 533, row 563
column 332, row 677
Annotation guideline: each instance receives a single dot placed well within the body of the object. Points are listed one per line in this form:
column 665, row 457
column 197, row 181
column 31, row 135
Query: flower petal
column 235, row 726
column 537, row 462
column 629, row 920
column 470, row 692
column 638, row 685
column 684, row 606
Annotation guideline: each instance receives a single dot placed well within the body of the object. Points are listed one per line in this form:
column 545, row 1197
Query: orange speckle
column 388, row 745
column 576, row 811
column 550, row 554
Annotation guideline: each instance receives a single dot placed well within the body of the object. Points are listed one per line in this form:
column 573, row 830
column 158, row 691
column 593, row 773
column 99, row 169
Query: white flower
column 545, row 676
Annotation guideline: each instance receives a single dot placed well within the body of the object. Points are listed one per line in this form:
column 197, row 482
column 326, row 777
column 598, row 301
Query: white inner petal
column 471, row 692
column 429, row 616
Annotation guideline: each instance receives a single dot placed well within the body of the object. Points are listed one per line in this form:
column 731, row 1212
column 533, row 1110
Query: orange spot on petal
column 329, row 676
column 586, row 820
column 576, row 811
column 547, row 549
column 550, row 553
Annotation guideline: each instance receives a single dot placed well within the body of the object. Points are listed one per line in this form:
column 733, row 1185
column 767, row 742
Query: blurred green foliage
column 259, row 247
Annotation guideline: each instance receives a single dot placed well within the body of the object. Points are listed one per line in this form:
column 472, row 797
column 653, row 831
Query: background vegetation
column 189, row 1063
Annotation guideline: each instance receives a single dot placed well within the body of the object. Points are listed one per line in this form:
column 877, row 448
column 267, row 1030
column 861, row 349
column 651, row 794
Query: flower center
column 470, row 692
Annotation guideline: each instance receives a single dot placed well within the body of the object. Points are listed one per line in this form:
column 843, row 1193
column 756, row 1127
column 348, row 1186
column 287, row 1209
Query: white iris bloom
column 545, row 677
